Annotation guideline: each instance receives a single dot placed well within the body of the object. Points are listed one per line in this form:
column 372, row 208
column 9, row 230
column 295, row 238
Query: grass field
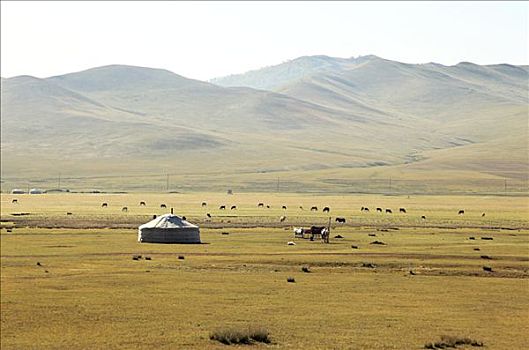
column 426, row 281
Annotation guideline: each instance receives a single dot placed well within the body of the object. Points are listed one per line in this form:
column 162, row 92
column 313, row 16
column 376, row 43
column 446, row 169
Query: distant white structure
column 168, row 228
column 17, row 191
column 36, row 191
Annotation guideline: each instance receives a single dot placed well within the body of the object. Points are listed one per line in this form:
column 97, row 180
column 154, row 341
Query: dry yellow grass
column 94, row 295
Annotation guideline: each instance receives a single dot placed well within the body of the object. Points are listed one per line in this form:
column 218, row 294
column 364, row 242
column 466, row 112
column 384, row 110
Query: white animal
column 291, row 243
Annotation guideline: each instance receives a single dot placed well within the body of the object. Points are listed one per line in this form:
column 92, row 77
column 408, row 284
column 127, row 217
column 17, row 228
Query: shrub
column 235, row 336
column 450, row 341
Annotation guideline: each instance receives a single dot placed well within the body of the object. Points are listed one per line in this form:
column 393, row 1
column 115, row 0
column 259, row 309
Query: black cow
column 222, row 207
column 104, row 205
column 366, row 209
column 402, row 210
column 14, row 201
column 260, row 205
column 204, row 204
column 125, row 209
column 184, row 218
column 301, row 207
column 483, row 215
column 284, row 207
column 388, row 211
column 208, row 215
column 314, row 208
column 342, row 220
column 233, row 207
column 423, row 217
column 379, row 210
column 461, row 212
column 163, row 206
column 267, row 207
column 142, row 203
column 326, row 209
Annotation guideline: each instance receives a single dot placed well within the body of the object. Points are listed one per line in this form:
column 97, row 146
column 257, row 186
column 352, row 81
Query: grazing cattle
column 423, row 217
column 379, row 210
column 284, row 207
column 461, row 212
column 366, row 209
column 326, row 209
column 222, row 207
column 208, row 215
column 487, row 268
column 124, row 209
column 260, row 205
column 154, row 216
column 204, row 204
column 388, row 211
column 163, row 206
column 402, row 210
column 267, row 207
column 342, row 220
column 482, row 215
column 291, row 243
column 184, row 218
column 14, row 201
column 233, row 207
column 68, row 213
column 104, row 205
column 318, row 230
column 283, row 218
column 314, row 209
column 142, row 203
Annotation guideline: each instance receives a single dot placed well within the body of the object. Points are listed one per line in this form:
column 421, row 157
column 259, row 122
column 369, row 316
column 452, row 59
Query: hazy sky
column 203, row 40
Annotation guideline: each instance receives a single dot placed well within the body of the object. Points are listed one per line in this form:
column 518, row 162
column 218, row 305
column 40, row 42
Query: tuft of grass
column 234, row 336
column 450, row 341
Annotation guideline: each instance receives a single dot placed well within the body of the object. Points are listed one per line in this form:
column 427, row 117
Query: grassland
column 88, row 293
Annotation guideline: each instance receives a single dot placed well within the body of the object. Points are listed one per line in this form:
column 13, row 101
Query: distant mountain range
column 304, row 119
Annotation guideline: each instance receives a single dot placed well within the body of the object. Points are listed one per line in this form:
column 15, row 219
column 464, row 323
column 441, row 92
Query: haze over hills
column 314, row 121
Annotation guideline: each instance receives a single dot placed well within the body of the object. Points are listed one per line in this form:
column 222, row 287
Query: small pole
column 171, row 210
column 328, row 231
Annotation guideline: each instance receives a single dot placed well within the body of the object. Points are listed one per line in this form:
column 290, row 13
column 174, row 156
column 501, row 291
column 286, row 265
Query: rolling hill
column 316, row 122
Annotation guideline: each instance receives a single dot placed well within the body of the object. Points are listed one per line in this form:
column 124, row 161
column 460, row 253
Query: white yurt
column 17, row 191
column 168, row 228
column 36, row 191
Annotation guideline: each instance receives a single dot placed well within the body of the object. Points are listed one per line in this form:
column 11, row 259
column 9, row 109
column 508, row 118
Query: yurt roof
column 167, row 221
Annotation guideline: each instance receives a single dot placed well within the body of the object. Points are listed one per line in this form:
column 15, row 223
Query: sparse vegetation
column 449, row 341
column 245, row 336
column 234, row 278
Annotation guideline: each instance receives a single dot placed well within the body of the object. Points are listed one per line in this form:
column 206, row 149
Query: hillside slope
column 365, row 117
